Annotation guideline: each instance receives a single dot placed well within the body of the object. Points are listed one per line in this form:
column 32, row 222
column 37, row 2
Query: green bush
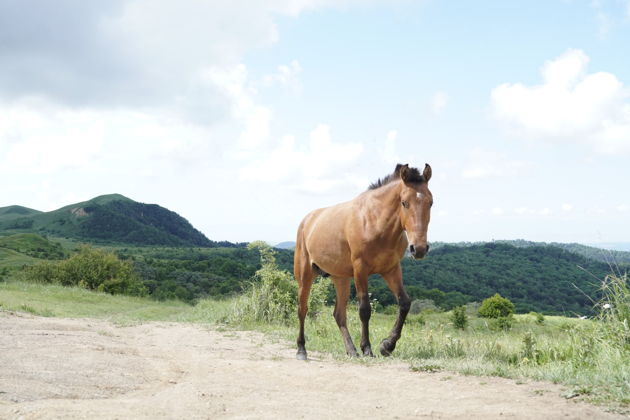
column 319, row 296
column 502, row 323
column 420, row 305
column 496, row 307
column 459, row 317
column 390, row 310
column 540, row 318
column 92, row 269
column 272, row 296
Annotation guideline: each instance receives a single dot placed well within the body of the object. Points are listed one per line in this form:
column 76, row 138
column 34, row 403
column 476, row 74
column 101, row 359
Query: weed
column 430, row 368
column 459, row 317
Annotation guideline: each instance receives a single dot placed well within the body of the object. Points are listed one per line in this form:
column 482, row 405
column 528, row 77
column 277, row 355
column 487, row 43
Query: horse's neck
column 385, row 207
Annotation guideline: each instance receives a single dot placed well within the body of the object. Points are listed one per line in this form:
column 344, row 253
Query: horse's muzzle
column 418, row 252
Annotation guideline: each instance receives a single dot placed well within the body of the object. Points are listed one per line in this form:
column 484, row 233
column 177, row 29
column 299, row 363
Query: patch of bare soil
column 83, row 368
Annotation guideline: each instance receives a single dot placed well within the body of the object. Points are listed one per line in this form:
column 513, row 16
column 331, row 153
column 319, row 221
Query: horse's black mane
column 414, row 176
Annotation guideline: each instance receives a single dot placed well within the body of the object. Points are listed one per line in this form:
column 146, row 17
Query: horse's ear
column 404, row 172
column 426, row 174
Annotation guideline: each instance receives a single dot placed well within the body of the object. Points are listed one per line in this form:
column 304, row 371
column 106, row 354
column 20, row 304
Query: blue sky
column 243, row 116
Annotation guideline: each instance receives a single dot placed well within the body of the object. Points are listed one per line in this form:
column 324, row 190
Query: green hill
column 15, row 212
column 110, row 219
column 32, row 245
column 536, row 278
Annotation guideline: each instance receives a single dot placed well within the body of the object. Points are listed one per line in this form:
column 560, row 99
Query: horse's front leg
column 395, row 284
column 365, row 310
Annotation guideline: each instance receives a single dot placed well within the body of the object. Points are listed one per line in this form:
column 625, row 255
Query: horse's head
column 415, row 207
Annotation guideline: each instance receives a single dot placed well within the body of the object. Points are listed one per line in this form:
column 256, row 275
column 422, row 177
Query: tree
column 496, row 307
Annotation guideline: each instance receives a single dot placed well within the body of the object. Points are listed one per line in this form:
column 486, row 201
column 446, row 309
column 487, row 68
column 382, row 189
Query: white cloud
column 320, row 167
column 287, row 75
column 489, row 164
column 622, row 208
column 39, row 137
column 132, row 53
column 497, row 211
column 566, row 207
column 570, row 105
column 388, row 152
column 439, row 102
column 533, row 212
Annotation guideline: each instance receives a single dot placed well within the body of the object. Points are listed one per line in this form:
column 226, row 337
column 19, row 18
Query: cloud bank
column 570, row 105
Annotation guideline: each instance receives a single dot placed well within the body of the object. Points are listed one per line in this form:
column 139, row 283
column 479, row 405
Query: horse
column 355, row 239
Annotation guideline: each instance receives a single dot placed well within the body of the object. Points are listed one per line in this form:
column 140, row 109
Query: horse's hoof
column 367, row 352
column 301, row 355
column 387, row 348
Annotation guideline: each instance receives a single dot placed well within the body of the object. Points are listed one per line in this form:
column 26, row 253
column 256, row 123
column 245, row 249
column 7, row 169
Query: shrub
column 472, row 308
column 420, row 305
column 272, row 296
column 496, row 307
column 502, row 323
column 417, row 319
column 319, row 296
column 91, row 269
column 540, row 318
column 459, row 317
column 390, row 310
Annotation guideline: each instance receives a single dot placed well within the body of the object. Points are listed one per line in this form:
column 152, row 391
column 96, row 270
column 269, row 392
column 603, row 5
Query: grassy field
column 73, row 302
column 13, row 260
column 569, row 351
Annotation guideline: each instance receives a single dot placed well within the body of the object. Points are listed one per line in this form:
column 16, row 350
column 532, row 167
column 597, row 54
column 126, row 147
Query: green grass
column 32, row 245
column 74, row 302
column 13, row 260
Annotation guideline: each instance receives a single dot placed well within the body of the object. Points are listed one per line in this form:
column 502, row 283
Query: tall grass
column 614, row 310
column 271, row 296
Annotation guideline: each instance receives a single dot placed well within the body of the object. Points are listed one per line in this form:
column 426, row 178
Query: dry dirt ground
column 84, row 368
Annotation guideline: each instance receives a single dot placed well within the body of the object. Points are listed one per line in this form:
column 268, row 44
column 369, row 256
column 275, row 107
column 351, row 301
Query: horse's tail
column 300, row 256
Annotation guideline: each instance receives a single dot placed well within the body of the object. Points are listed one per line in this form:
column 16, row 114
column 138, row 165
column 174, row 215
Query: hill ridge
column 110, row 218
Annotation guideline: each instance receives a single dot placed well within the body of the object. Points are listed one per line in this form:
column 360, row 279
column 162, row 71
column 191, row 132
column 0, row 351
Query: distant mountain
column 616, row 246
column 285, row 245
column 108, row 218
column 608, row 255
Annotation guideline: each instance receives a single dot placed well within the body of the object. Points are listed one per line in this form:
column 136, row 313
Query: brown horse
column 367, row 235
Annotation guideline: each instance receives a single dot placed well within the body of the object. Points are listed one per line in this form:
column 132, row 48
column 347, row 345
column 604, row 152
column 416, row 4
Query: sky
column 243, row 116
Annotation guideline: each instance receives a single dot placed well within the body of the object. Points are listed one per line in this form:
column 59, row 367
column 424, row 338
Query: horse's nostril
column 412, row 249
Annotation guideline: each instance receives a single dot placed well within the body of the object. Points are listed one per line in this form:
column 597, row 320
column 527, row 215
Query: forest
column 542, row 278
column 545, row 279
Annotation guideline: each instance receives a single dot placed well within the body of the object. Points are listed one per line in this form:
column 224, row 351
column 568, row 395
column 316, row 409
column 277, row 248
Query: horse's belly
column 327, row 246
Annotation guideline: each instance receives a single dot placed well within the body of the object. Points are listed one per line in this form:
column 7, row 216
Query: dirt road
column 82, row 368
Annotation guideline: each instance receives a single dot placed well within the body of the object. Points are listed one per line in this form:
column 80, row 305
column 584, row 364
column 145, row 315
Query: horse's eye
column 405, row 204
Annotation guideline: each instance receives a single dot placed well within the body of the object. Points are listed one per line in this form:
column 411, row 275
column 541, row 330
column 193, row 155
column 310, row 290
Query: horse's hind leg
column 395, row 284
column 365, row 310
column 304, row 275
column 342, row 287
